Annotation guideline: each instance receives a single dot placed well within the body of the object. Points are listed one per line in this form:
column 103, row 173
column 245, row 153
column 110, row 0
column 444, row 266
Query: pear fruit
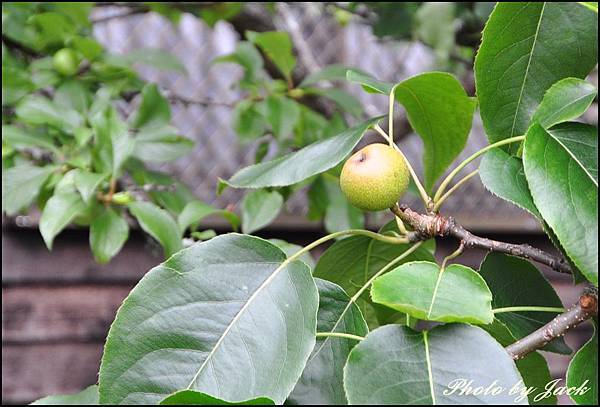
column 66, row 62
column 375, row 177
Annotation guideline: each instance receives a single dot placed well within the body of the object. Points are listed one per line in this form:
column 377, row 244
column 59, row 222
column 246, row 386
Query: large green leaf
column 259, row 209
column 89, row 396
column 438, row 109
column 441, row 113
column 515, row 282
column 561, row 168
column 191, row 397
column 503, row 175
column 159, row 224
column 567, row 99
column 21, row 185
column 108, row 233
column 278, row 48
column 396, row 365
column 421, row 289
column 352, row 261
column 59, row 212
column 583, row 372
column 298, row 166
column 526, row 48
column 322, row 379
column 230, row 317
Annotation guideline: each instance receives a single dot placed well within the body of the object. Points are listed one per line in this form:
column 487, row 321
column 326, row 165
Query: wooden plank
column 25, row 259
column 33, row 371
column 41, row 314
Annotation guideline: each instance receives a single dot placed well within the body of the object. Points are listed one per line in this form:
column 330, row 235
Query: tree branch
column 585, row 308
column 426, row 226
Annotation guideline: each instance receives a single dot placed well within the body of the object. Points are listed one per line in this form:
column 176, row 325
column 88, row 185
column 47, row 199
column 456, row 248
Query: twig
column 585, row 308
column 426, row 226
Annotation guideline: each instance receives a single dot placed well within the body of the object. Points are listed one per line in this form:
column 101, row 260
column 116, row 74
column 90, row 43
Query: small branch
column 585, row 308
column 427, row 226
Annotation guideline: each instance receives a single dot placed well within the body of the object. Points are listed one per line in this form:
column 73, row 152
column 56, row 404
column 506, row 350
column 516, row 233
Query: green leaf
column 159, row 224
column 396, row 365
column 290, row 249
column 87, row 183
column 19, row 137
column 441, row 112
column 239, row 323
column 195, row 211
column 108, row 232
column 213, row 13
column 561, row 166
column 282, row 114
column 334, row 72
column 300, row 165
column 340, row 214
column 520, row 42
column 321, row 382
column 344, row 100
column 567, row 99
column 89, row 396
column 533, row 367
column 352, row 261
column 88, row 47
column 583, row 372
column 369, row 83
column 249, row 58
column 516, row 282
column 154, row 110
column 60, row 210
column 191, row 397
column 260, row 208
column 160, row 144
column 73, row 94
column 592, row 5
column 435, row 26
column 155, row 57
column 247, row 121
column 21, row 185
column 35, row 109
column 496, row 168
column 278, row 48
column 424, row 291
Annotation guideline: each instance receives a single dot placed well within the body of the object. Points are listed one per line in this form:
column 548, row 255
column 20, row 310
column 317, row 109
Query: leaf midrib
column 512, row 130
column 235, row 320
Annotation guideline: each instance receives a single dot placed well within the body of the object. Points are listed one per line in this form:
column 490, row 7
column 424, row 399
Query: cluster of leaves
column 276, row 115
column 68, row 149
column 237, row 320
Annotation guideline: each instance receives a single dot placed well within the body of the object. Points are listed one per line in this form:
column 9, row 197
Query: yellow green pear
column 66, row 62
column 375, row 177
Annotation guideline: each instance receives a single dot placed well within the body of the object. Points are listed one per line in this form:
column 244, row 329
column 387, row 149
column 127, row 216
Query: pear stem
column 463, row 164
column 440, row 201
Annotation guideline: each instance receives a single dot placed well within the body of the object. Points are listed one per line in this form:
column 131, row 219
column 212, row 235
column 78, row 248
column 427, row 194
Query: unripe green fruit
column 122, row 198
column 66, row 62
column 374, row 178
